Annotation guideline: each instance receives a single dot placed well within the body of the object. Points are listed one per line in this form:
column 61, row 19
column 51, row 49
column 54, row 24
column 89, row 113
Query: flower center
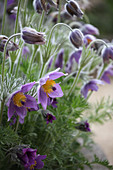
column 19, row 99
column 32, row 166
column 48, row 87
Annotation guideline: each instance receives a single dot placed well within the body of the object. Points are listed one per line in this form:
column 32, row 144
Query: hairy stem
column 3, row 21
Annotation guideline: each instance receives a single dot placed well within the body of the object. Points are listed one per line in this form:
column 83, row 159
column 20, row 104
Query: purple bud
column 88, row 39
column 76, row 38
column 31, row 36
column 107, row 53
column 59, row 59
column 73, row 8
column 37, row 6
column 89, row 29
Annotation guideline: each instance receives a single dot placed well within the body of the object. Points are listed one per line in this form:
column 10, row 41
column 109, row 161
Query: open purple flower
column 30, row 160
column 89, row 29
column 107, row 53
column 90, row 86
column 49, row 88
column 50, row 118
column 83, row 126
column 20, row 102
column 108, row 72
column 88, row 39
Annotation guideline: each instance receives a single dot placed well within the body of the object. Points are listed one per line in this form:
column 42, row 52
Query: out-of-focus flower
column 52, row 102
column 107, row 53
column 11, row 46
column 20, row 102
column 74, row 56
column 88, row 39
column 50, row 118
column 89, row 29
column 107, row 73
column 31, row 36
column 90, row 86
column 83, row 126
column 59, row 59
column 25, row 51
column 76, row 38
column 73, row 8
column 49, row 88
column 40, row 5
column 30, row 160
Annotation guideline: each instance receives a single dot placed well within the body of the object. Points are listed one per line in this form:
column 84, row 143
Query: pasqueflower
column 49, row 88
column 20, row 102
column 89, row 29
column 90, row 86
column 107, row 73
column 50, row 118
column 59, row 59
column 83, row 126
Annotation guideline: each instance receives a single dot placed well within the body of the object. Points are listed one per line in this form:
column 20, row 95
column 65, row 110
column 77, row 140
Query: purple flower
column 107, row 53
column 74, row 56
column 83, row 126
column 50, row 118
column 89, row 29
column 90, row 86
column 88, row 38
column 108, row 72
column 30, row 160
column 20, row 102
column 59, row 59
column 49, row 88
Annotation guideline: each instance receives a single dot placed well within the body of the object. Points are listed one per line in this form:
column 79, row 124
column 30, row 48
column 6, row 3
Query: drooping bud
column 76, row 38
column 11, row 45
column 59, row 59
column 31, row 36
column 83, row 126
column 73, row 8
column 37, row 6
column 107, row 53
column 89, row 29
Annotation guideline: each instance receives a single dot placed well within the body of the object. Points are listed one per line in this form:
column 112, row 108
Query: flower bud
column 73, row 8
column 31, row 36
column 83, row 126
column 88, row 39
column 89, row 29
column 11, row 46
column 107, row 53
column 37, row 6
column 76, row 38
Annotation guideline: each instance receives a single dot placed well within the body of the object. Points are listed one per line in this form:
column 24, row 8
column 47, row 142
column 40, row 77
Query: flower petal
column 21, row 111
column 55, row 75
column 57, row 93
column 31, row 102
column 25, row 88
column 39, row 159
column 11, row 110
column 42, row 98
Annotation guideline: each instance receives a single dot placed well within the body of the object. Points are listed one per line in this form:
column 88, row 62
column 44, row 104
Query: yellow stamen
column 32, row 166
column 48, row 86
column 19, row 98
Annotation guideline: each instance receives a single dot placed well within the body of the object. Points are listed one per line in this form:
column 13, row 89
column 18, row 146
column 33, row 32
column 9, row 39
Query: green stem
column 97, row 41
column 74, row 83
column 17, row 124
column 17, row 19
column 5, row 49
column 12, row 64
column 3, row 21
column 25, row 7
column 41, row 20
column 49, row 41
column 32, row 59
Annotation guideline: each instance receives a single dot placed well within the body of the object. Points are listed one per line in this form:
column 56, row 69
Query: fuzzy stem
column 2, row 107
column 32, row 59
column 25, row 6
column 74, row 83
column 17, row 124
column 50, row 35
column 97, row 41
column 41, row 20
column 17, row 19
column 3, row 21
